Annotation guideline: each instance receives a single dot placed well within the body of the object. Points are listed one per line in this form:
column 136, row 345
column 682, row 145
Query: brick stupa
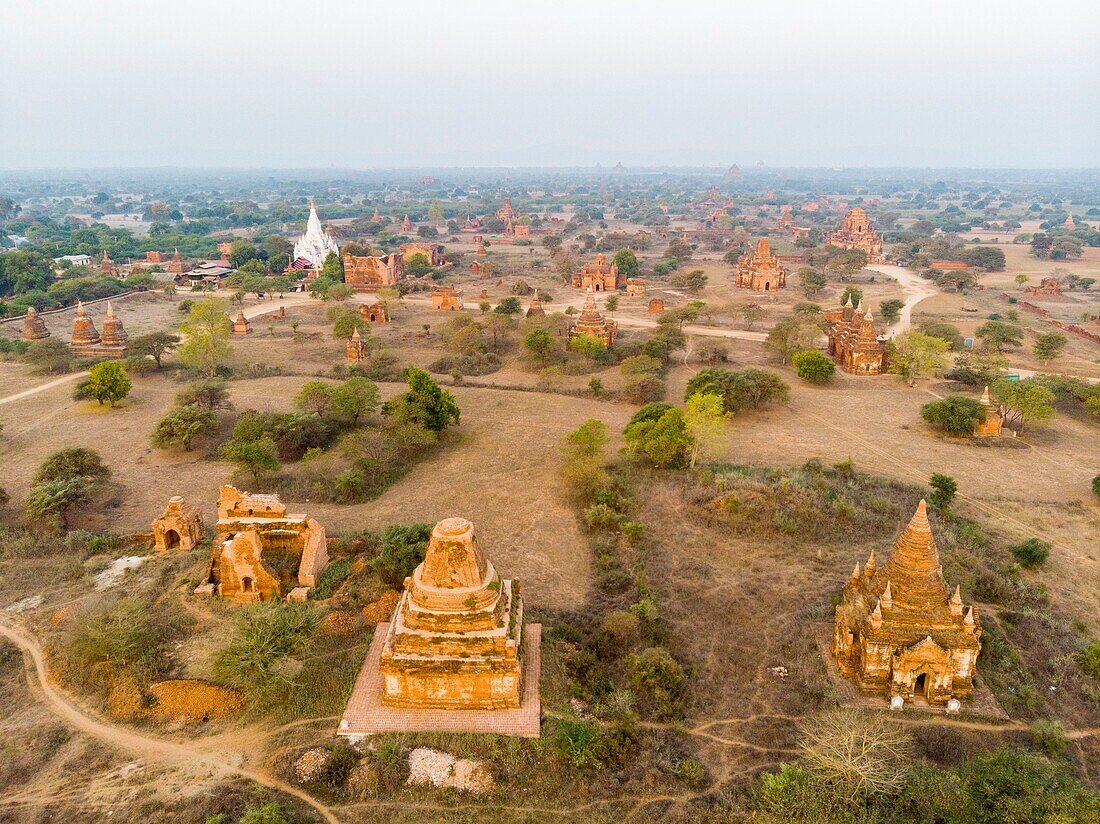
column 454, row 641
column 114, row 335
column 34, row 328
column 242, row 325
column 591, row 324
column 536, row 309
column 898, row 631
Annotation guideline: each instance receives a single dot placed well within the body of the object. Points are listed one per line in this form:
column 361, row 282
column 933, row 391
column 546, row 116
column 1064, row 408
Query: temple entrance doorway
column 920, row 686
column 246, row 584
column 172, row 539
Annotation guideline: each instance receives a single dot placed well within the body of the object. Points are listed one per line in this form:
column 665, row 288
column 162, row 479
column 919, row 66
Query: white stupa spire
column 314, row 245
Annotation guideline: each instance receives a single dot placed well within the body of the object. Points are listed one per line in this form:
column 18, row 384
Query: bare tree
column 856, row 753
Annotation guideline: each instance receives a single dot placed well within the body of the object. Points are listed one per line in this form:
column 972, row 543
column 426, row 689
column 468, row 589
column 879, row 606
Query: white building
column 314, row 245
column 75, row 260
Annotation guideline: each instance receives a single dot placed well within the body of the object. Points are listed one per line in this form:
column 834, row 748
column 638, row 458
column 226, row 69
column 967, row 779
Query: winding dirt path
column 150, row 748
column 916, row 289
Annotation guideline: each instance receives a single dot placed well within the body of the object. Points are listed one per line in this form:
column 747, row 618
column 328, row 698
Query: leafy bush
column 955, row 415
column 1048, row 737
column 812, row 366
column 403, row 548
column 659, row 681
column 1031, row 552
column 265, row 635
column 739, row 390
column 127, row 636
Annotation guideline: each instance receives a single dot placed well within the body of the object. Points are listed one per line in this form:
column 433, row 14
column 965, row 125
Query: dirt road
column 151, row 749
column 916, row 289
column 251, row 312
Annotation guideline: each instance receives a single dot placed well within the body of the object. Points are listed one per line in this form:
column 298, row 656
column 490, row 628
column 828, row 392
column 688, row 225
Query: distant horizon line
column 598, row 167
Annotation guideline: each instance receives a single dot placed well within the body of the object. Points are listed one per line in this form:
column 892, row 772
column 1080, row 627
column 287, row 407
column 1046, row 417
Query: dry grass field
column 735, row 605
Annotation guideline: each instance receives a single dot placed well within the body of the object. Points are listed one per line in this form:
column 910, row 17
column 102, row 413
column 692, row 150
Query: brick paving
column 365, row 714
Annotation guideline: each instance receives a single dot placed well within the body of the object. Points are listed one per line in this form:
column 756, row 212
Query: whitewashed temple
column 315, row 244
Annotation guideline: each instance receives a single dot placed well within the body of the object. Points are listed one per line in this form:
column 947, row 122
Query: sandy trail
column 251, row 312
column 916, row 289
column 149, row 748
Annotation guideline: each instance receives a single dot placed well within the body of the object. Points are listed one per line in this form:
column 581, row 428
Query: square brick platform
column 365, row 714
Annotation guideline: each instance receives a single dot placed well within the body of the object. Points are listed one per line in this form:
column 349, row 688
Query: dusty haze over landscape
column 369, row 85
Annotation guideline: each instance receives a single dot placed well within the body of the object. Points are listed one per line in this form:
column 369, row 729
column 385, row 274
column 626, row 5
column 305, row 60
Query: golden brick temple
column 898, row 631
column 365, row 273
column 455, row 638
column 599, row 275
column 856, row 233
column 760, row 269
column 591, row 324
column 853, row 341
column 261, row 553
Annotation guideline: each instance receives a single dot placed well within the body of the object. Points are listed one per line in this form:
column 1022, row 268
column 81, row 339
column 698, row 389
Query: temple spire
column 869, row 567
column 887, row 599
column 985, row 398
column 956, row 602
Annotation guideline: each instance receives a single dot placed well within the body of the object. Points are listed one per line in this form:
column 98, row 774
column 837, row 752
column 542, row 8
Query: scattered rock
column 26, row 604
column 383, row 608
column 440, row 769
column 779, row 672
column 310, row 764
column 116, row 571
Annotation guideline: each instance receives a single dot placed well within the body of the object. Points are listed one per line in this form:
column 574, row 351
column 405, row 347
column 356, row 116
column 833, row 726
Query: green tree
column 748, row 388
column 954, row 414
column 346, row 321
column 509, row 306
column 354, row 399
column 208, row 393
column 1021, row 401
column 108, row 383
column 402, row 549
column 206, row 331
column 49, row 357
column 154, row 345
column 1049, row 346
column 665, row 442
column 705, row 419
column 626, row 262
column 425, row 403
column 333, row 268
column 183, row 425
column 73, row 463
column 852, row 293
column 315, row 397
column 593, row 349
column 65, row 480
column 256, row 457
column 540, row 344
column 435, row 211
column 914, row 356
column 998, row 336
column 694, row 281
column 811, row 281
column 891, row 309
column 944, row 331
column 943, row 490
column 791, row 335
column 612, row 303
column 813, row 366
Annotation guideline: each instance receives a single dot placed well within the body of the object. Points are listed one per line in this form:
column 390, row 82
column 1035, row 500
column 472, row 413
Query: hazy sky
column 368, row 84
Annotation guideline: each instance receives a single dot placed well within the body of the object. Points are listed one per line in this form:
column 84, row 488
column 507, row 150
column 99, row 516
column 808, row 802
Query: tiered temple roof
column 853, row 340
column 899, row 623
column 760, row 269
column 856, row 233
column 591, row 324
column 536, row 310
column 114, row 333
